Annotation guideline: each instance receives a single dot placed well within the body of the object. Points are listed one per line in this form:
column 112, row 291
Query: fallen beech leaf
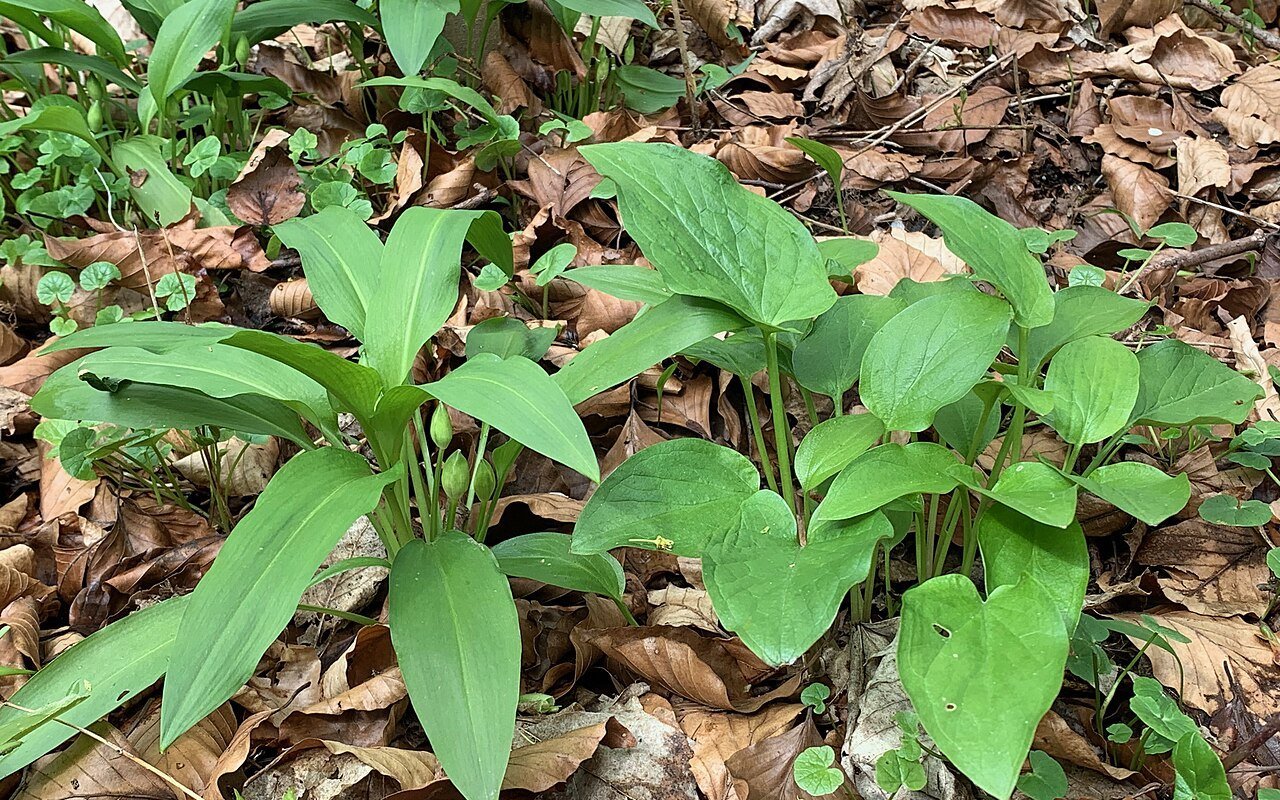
column 268, row 190
column 764, row 768
column 1055, row 737
column 506, row 84
column 539, row 766
column 905, row 255
column 1212, row 570
column 1139, row 192
column 1202, row 163
column 717, row 736
column 293, row 299
column 193, row 758
column 89, row 769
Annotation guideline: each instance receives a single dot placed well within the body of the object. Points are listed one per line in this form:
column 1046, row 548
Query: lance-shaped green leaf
column 411, row 28
column 832, row 444
column 123, row 659
column 157, row 336
column 993, row 248
column 1032, row 488
column 658, row 333
column 1139, row 489
column 633, row 9
column 1180, row 385
column 684, row 494
column 356, row 387
column 1094, row 382
column 741, row 353
column 268, row 19
column 981, row 675
column 62, row 119
column 251, row 591
column 546, row 557
column 74, row 14
column 780, row 597
column 457, row 91
column 1014, row 545
column 186, row 34
column 457, row 637
column 1080, row 311
column 145, row 405
column 515, row 396
column 829, row 357
column 930, row 356
column 162, row 198
column 623, row 281
column 884, row 474
column 213, row 369
column 81, row 62
column 751, row 254
column 418, row 281
column 340, row 256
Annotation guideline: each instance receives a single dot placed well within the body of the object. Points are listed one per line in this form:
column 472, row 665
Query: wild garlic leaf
column 1094, row 382
column 930, row 356
column 829, row 357
column 780, row 597
column 711, row 237
column 884, row 474
column 1014, row 545
column 1139, row 489
column 993, row 249
column 1180, row 385
column 1198, row 772
column 981, row 675
column 680, row 496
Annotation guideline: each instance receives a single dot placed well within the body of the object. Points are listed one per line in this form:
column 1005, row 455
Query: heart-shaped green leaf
column 780, row 597
column 981, row 675
column 886, row 473
column 1014, row 545
column 828, row 359
column 1179, row 385
column 679, row 496
column 751, row 254
column 1094, row 382
column 1080, row 311
column 832, row 444
column 1139, row 489
column 930, row 356
column 1223, row 509
column 1032, row 488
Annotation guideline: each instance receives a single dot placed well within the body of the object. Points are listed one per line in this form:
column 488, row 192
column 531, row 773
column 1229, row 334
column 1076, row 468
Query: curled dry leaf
column 241, row 469
column 268, row 190
column 1139, row 192
column 718, row 736
column 1057, row 738
column 293, row 299
column 193, row 758
column 1202, row 163
column 1212, row 570
column 905, row 254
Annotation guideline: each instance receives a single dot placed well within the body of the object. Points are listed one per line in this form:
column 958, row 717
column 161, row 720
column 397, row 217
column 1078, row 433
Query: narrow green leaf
column 159, row 194
column 77, row 15
column 885, row 473
column 340, row 256
column 930, row 356
column 685, row 491
column 660, row 332
column 623, row 281
column 269, row 18
column 1139, row 489
column 356, row 387
column 1094, row 382
column 825, row 156
column 63, row 119
column 457, row 91
column 632, row 9
column 546, row 557
column 156, row 336
column 832, row 444
column 752, row 255
column 1180, row 385
column 981, row 675
column 515, row 396
column 122, row 660
column 185, row 36
column 993, row 249
column 829, row 357
column 80, row 62
column 455, row 631
column 1014, row 545
column 411, row 28
column 251, row 591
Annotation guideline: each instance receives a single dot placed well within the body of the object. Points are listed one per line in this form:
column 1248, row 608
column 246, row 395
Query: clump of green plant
column 451, row 615
column 944, row 370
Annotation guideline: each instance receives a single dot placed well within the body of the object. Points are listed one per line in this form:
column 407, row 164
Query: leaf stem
column 757, row 432
column 781, row 429
column 475, row 468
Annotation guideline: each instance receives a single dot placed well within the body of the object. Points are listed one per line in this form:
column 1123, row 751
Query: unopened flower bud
column 441, row 427
column 455, row 476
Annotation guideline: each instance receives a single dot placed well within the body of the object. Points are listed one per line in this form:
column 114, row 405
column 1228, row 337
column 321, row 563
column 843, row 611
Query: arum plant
column 451, row 615
column 944, row 369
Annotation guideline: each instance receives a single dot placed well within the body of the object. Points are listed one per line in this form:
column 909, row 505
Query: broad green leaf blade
column 741, row 353
column 1080, row 311
column 1225, row 509
column 660, row 332
column 958, row 424
column 217, row 370
column 457, row 637
column 930, row 356
column 418, row 284
column 269, row 18
column 144, row 405
column 1014, row 545
column 1180, row 385
column 780, row 597
column 161, row 197
column 251, row 591
column 1094, row 382
column 546, row 557
column 981, row 675
column 633, row 9
column 411, row 28
column 156, row 336
column 340, row 256
column 508, row 336
column 623, row 281
column 77, row 15
column 885, row 473
column 751, row 254
column 829, row 358
column 1198, row 772
column 844, row 254
column 824, row 155
column 457, row 91
column 1031, row 488
column 63, row 119
column 515, row 396
column 685, row 491
column 186, row 34
column 994, row 250
column 1139, row 489
column 78, row 61
column 356, row 387
column 832, row 444
column 121, row 660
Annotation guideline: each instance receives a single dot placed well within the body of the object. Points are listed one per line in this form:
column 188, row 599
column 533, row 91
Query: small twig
column 1194, row 258
column 1246, row 748
column 1227, row 209
column 1226, row 16
column 683, row 45
column 118, row 750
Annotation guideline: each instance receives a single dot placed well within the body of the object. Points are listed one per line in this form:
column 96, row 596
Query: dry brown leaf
column 966, row 27
column 905, row 255
column 60, row 492
column 88, row 769
column 293, row 299
column 1139, row 192
column 507, row 85
column 1202, row 163
column 242, row 468
column 714, row 16
column 1210, row 569
column 677, row 606
column 763, row 769
column 233, row 755
column 718, row 736
column 539, row 766
column 1246, row 131
column 193, row 756
column 1057, row 738
column 268, row 190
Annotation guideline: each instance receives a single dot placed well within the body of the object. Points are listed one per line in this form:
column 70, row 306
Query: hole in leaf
column 950, row 706
column 943, row 632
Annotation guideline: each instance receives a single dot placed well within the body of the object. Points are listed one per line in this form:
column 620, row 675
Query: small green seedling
column 814, row 771
column 1046, row 780
column 815, row 696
